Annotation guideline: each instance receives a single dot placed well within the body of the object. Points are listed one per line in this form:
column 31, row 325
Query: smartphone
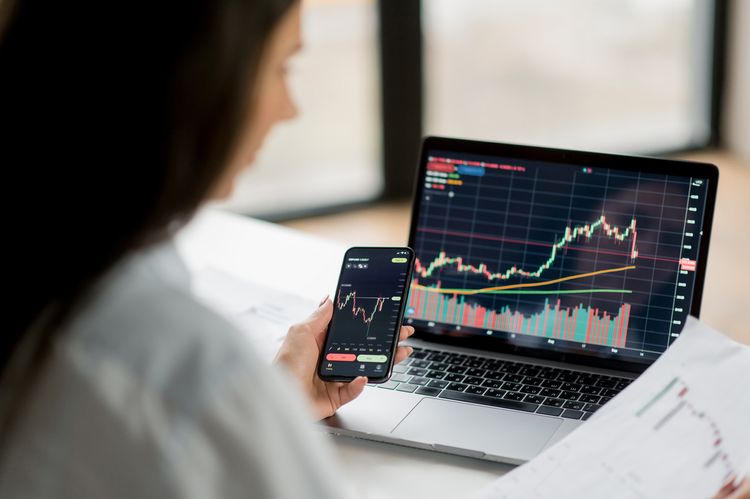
column 368, row 308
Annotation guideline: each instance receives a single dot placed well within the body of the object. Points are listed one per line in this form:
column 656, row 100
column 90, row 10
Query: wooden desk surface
column 726, row 298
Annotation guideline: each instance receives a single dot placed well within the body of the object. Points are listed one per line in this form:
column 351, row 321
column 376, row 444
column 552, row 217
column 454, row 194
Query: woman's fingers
column 742, row 490
column 732, row 489
column 406, row 331
column 319, row 319
column 726, row 489
column 350, row 391
column 402, row 353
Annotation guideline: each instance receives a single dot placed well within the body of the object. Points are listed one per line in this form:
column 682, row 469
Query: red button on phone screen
column 341, row 357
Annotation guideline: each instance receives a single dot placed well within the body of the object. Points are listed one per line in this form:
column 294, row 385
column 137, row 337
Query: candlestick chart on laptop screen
column 555, row 256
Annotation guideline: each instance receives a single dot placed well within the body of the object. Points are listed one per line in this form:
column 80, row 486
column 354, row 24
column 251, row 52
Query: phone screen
column 367, row 311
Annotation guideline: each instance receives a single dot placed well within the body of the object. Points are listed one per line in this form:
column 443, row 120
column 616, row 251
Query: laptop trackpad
column 497, row 432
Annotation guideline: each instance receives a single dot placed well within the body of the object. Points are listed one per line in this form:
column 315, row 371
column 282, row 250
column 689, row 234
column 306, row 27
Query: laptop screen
column 555, row 255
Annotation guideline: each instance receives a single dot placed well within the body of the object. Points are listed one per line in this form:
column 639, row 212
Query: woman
column 120, row 121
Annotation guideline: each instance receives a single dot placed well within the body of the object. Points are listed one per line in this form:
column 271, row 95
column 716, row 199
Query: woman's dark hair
column 116, row 120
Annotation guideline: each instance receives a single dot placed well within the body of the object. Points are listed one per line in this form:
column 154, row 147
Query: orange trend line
column 524, row 285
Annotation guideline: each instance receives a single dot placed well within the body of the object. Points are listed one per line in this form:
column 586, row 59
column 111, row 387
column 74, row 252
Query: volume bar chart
column 584, row 324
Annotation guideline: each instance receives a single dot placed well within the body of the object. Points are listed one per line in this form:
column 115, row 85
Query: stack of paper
column 680, row 430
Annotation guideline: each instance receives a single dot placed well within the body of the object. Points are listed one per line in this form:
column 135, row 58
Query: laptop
column 545, row 281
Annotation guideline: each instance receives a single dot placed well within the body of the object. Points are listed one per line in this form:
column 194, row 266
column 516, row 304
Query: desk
column 271, row 255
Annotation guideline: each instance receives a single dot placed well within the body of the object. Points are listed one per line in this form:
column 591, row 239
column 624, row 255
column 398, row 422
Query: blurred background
column 667, row 77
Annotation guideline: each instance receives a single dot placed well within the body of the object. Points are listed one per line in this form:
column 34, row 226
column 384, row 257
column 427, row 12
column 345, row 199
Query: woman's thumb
column 320, row 318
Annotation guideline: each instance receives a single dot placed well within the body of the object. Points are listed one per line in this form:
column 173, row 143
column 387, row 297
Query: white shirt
column 151, row 394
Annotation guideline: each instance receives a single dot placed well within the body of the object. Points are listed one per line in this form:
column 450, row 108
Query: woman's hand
column 733, row 489
column 299, row 354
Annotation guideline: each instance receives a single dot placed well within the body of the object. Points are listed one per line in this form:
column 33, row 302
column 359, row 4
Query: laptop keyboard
column 511, row 385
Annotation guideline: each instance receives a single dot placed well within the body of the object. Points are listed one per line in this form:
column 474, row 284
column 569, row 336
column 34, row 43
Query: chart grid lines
column 481, row 267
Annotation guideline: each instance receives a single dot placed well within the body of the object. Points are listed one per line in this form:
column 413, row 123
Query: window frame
column 402, row 95
column 402, row 61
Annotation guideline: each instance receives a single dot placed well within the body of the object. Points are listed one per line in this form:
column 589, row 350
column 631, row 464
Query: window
column 617, row 75
column 623, row 75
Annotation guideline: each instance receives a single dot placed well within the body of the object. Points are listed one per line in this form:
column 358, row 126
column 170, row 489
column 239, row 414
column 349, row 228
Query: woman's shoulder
column 142, row 321
column 159, row 395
